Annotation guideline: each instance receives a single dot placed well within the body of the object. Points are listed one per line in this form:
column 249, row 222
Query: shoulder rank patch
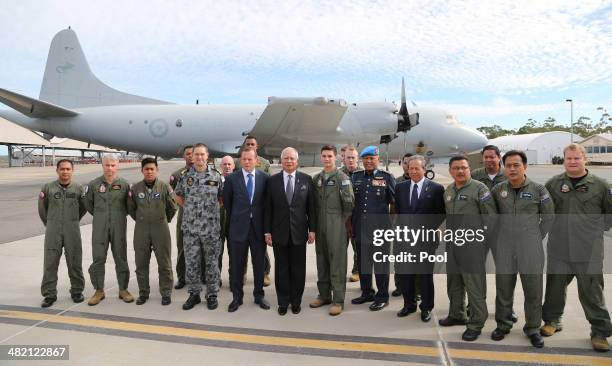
column 485, row 196
column 86, row 189
column 545, row 197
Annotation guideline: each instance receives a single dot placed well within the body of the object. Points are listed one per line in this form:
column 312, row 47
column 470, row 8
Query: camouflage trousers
column 196, row 245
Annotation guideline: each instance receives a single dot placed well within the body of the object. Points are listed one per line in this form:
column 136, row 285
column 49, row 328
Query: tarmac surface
column 117, row 333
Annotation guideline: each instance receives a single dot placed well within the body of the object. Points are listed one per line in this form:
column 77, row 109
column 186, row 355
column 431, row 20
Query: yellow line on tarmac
column 469, row 354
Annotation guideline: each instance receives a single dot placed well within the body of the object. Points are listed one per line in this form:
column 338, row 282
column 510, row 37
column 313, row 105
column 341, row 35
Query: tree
column 495, row 131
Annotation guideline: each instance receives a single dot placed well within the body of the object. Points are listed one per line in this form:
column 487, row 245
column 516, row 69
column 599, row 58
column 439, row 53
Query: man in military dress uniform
column 106, row 201
column 334, row 202
column 61, row 207
column 526, row 214
column 350, row 164
column 199, row 192
column 469, row 205
column 151, row 205
column 374, row 197
column 583, row 208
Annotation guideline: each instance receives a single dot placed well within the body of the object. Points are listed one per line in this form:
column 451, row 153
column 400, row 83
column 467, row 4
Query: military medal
column 565, row 188
column 102, row 188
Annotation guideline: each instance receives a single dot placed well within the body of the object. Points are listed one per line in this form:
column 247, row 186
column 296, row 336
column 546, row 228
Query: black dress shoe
column 514, row 317
column 499, row 334
column 536, row 340
column 263, row 303
column 48, row 301
column 179, row 285
column 405, row 312
column 426, row 315
column 282, row 310
column 192, row 301
column 234, row 305
column 141, row 300
column 449, row 322
column 378, row 305
column 77, row 298
column 166, row 300
column 295, row 309
column 211, row 302
column 362, row 299
column 396, row 292
column 470, row 335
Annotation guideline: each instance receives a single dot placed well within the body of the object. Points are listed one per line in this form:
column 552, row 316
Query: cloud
column 493, row 46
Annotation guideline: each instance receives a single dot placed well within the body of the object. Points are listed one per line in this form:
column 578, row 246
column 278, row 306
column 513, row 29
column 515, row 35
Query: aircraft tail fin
column 69, row 82
column 33, row 108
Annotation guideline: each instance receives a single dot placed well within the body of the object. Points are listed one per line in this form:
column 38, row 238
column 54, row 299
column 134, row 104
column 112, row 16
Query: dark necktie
column 414, row 198
column 250, row 187
column 289, row 189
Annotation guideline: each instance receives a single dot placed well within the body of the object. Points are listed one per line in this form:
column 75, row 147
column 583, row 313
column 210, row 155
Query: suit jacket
column 297, row 219
column 430, row 208
column 240, row 212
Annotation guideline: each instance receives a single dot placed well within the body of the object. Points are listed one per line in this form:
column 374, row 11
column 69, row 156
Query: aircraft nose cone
column 474, row 140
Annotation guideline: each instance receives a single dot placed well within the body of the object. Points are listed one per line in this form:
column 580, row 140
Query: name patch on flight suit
column 526, row 195
column 156, row 195
column 57, row 195
column 330, row 183
column 462, row 197
column 116, row 187
column 582, row 189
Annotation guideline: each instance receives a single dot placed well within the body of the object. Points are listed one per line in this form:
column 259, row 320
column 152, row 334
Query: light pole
column 571, row 119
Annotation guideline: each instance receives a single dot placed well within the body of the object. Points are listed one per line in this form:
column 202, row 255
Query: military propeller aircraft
column 74, row 103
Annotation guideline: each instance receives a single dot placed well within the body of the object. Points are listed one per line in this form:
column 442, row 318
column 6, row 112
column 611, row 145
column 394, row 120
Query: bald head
column 227, row 165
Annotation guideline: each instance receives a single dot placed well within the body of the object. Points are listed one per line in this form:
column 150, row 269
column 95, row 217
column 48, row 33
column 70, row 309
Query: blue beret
column 369, row 151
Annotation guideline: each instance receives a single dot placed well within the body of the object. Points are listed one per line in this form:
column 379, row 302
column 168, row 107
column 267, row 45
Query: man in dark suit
column 243, row 198
column 289, row 223
column 419, row 203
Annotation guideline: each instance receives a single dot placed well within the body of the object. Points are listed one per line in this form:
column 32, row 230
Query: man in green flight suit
column 61, row 207
column 492, row 173
column 106, row 201
column 526, row 214
column 180, row 253
column 250, row 142
column 334, row 201
column 469, row 205
column 151, row 205
column 583, row 208
column 350, row 164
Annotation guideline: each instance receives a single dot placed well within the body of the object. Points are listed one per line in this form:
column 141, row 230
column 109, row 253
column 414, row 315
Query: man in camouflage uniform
column 180, row 254
column 151, row 205
column 350, row 165
column 334, row 201
column 583, row 208
column 250, row 142
column 526, row 216
column 61, row 207
column 106, row 201
column 199, row 192
column 469, row 205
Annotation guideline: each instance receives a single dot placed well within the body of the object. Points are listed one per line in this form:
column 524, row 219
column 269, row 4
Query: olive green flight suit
column 334, row 201
column 525, row 218
column 60, row 209
column 575, row 249
column 107, row 203
column 482, row 176
column 180, row 253
column 355, row 269
column 152, row 209
column 470, row 206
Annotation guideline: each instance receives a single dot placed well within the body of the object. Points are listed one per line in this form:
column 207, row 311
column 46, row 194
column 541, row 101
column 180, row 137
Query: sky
column 488, row 62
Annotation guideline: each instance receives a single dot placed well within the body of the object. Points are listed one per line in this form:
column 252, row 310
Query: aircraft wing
column 310, row 120
column 33, row 108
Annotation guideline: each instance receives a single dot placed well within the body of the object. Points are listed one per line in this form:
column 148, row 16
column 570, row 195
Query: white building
column 539, row 147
